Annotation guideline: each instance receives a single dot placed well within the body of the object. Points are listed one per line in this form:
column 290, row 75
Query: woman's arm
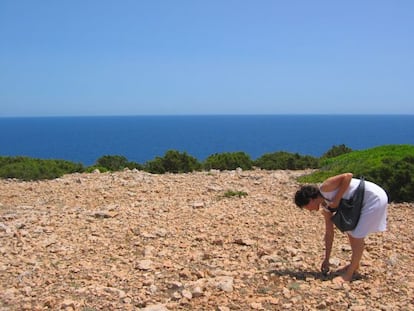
column 329, row 237
column 339, row 182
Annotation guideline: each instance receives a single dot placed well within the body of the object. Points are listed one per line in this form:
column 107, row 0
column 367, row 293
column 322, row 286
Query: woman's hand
column 325, row 267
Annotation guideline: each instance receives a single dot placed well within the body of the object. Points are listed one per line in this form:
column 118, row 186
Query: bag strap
column 358, row 196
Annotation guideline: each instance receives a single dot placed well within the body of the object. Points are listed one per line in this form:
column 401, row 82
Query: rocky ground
column 136, row 241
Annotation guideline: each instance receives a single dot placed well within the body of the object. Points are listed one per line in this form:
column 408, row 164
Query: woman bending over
column 373, row 214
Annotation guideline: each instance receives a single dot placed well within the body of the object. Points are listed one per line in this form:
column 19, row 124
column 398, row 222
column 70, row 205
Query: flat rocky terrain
column 136, row 241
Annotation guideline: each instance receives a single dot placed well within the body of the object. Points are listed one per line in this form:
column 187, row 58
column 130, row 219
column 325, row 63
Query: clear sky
column 151, row 57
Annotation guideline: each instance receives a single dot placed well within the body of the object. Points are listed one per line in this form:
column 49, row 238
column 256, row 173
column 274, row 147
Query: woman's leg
column 357, row 245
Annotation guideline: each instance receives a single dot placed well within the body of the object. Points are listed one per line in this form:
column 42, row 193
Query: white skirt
column 374, row 212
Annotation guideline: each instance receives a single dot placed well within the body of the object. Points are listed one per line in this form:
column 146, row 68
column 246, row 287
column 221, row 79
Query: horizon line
column 205, row 115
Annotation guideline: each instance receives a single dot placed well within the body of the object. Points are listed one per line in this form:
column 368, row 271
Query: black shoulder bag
column 348, row 212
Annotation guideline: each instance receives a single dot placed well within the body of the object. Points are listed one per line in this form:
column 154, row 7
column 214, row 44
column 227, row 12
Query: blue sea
column 142, row 138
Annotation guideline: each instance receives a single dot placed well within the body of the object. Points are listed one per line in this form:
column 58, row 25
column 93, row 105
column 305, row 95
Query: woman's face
column 313, row 205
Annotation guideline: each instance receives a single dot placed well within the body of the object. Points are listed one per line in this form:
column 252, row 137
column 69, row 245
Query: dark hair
column 305, row 194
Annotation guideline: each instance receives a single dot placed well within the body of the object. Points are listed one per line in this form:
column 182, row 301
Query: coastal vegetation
column 285, row 160
column 116, row 163
column 391, row 166
column 173, row 162
column 26, row 168
column 228, row 161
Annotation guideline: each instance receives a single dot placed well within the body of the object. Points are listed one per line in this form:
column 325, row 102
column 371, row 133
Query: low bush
column 232, row 193
column 25, row 168
column 397, row 177
column 116, row 163
column 286, row 161
column 173, row 162
column 228, row 161
column 336, row 151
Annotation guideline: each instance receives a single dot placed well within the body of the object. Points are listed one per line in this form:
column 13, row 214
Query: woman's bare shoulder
column 332, row 183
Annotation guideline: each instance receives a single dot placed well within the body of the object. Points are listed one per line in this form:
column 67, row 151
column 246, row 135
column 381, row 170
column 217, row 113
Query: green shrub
column 173, row 162
column 336, row 151
column 134, row 165
column 286, row 161
column 232, row 193
column 25, row 168
column 115, row 163
column 177, row 162
column 397, row 177
column 155, row 166
column 228, row 161
column 112, row 162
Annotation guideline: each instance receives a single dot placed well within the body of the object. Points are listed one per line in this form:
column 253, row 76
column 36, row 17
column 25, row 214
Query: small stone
column 176, row 296
column 225, row 283
column 244, row 242
column 148, row 251
column 68, row 305
column 256, row 306
column 197, row 291
column 198, row 205
column 187, row 294
column 157, row 307
column 273, row 300
column 286, row 292
column 104, row 214
column 322, row 305
column 145, row 264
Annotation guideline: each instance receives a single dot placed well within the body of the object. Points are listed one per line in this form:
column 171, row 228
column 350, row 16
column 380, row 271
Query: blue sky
column 167, row 57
